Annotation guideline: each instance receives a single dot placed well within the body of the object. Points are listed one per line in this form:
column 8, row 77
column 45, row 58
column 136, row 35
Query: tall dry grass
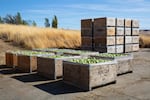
column 34, row 37
column 145, row 40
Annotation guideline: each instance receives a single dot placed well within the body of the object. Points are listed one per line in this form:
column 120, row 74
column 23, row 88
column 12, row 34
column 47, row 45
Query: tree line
column 17, row 20
column 54, row 22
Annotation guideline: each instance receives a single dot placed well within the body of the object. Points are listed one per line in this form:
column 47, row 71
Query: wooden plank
column 86, row 23
column 128, row 31
column 119, row 31
column 86, row 32
column 109, row 40
column 86, row 41
column 127, row 22
column 135, row 24
column 87, row 48
column 120, row 22
column 27, row 63
column 128, row 39
column 104, row 31
column 105, row 49
column 128, row 48
column 87, row 76
column 119, row 40
column 51, row 68
column 135, row 31
column 119, row 48
column 11, row 59
column 135, row 47
column 86, row 27
column 124, row 62
column 135, row 39
column 103, row 22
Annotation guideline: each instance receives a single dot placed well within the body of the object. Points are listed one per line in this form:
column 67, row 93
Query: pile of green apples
column 89, row 60
column 111, row 55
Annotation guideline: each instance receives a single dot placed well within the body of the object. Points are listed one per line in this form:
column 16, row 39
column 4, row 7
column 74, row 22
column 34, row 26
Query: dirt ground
column 15, row 85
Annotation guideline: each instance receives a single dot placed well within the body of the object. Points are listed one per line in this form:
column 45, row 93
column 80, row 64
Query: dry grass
column 34, row 37
column 145, row 40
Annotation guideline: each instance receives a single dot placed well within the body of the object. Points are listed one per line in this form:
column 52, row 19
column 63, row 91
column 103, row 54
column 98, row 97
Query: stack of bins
column 104, row 35
column 119, row 35
column 135, row 35
column 87, row 34
column 127, row 36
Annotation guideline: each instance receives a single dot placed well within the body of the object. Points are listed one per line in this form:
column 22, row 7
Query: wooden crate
column 90, row 48
column 119, row 40
column 119, row 31
column 27, row 63
column 11, row 59
column 86, row 32
column 135, row 23
column 105, row 40
column 86, row 27
column 104, row 31
column 135, row 31
column 125, row 63
column 128, row 48
column 135, row 39
column 86, row 23
column 86, row 41
column 105, row 49
column 51, row 68
column 119, row 48
column 128, row 39
column 87, row 76
column 135, row 47
column 103, row 22
column 119, row 22
column 128, row 31
column 127, row 22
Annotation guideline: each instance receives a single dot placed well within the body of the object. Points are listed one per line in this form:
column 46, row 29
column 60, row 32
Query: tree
column 24, row 22
column 34, row 23
column 1, row 20
column 47, row 24
column 18, row 18
column 10, row 19
column 54, row 22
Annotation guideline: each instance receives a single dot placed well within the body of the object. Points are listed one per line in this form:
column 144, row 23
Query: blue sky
column 70, row 12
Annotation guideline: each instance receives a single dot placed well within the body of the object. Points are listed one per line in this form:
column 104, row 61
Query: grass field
column 34, row 37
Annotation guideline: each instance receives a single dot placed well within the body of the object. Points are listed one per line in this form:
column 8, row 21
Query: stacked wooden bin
column 135, row 35
column 87, row 34
column 111, row 35
column 127, row 36
column 104, row 35
column 119, row 35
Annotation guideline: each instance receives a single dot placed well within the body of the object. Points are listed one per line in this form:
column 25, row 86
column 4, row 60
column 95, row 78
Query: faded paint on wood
column 119, row 31
column 119, row 40
column 103, row 22
column 104, row 31
column 99, row 41
column 120, row 22
column 88, row 76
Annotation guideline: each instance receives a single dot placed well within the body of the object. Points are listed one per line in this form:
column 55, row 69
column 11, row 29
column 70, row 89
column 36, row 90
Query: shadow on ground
column 54, row 87
column 7, row 70
column 58, row 87
column 30, row 77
